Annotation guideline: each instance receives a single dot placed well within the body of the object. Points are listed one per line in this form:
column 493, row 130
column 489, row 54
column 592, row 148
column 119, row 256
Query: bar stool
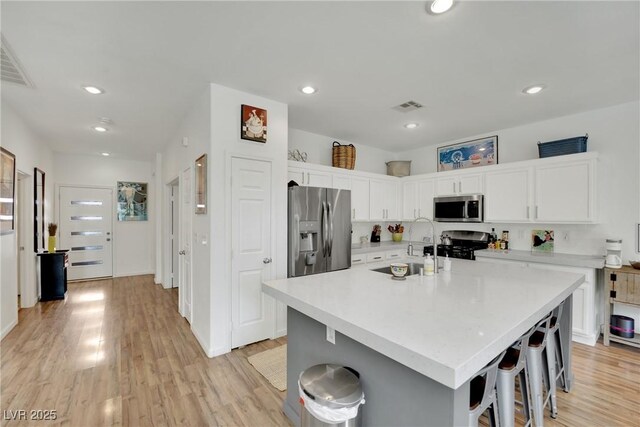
column 514, row 364
column 539, row 370
column 482, row 393
column 555, row 360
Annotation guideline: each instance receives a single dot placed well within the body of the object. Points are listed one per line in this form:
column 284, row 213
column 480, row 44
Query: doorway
column 184, row 238
column 86, row 221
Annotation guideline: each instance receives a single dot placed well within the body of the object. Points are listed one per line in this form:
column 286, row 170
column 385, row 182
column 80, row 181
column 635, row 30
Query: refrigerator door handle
column 330, row 228
column 324, row 229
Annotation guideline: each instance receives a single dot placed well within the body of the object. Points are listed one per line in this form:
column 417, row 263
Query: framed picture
column 542, row 240
column 7, row 191
column 479, row 152
column 132, row 201
column 38, row 211
column 253, row 123
column 201, row 184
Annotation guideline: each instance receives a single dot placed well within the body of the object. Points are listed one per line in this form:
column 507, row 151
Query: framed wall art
column 132, row 201
column 38, row 210
column 253, row 123
column 201, row 184
column 7, row 191
column 542, row 241
column 478, row 152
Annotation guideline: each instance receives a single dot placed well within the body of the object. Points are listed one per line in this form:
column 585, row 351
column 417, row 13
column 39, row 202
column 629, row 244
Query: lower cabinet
column 586, row 308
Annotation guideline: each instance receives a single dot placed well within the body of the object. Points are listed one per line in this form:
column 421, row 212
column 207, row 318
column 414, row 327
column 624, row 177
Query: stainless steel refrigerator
column 319, row 230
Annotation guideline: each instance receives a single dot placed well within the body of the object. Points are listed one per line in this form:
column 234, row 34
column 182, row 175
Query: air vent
column 11, row 70
column 405, row 107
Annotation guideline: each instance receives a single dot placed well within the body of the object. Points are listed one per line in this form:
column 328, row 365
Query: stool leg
column 526, row 399
column 534, row 366
column 550, row 352
column 494, row 418
column 505, row 385
column 560, row 359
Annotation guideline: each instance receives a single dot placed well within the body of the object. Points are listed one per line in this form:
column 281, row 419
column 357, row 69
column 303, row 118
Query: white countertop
column 446, row 327
column 365, row 248
column 586, row 261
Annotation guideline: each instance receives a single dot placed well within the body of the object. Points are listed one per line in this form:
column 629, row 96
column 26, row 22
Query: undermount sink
column 414, row 268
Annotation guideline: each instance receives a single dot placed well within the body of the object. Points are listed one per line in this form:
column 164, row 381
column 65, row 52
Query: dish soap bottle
column 447, row 263
column 428, row 265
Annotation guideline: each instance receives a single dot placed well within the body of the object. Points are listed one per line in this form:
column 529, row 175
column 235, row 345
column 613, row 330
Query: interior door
column 175, row 237
column 86, row 222
column 252, row 311
column 186, row 212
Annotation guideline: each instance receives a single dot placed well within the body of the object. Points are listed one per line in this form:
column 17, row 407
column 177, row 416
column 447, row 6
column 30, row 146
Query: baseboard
column 280, row 333
column 8, row 329
column 585, row 339
column 139, row 273
column 209, row 352
column 290, row 412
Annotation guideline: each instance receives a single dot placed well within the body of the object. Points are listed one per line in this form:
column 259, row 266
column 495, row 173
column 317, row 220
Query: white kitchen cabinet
column 565, row 192
column 418, row 199
column 585, row 309
column 395, row 254
column 358, row 259
column 375, row 257
column 507, row 195
column 359, row 188
column 310, row 178
column 383, row 200
column 454, row 184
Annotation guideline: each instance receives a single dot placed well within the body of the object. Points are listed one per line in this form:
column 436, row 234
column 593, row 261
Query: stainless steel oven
column 467, row 208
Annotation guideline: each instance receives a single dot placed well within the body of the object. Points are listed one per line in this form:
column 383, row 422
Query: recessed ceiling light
column 411, row 125
column 105, row 154
column 100, row 128
column 441, row 6
column 308, row 90
column 532, row 90
column 93, row 90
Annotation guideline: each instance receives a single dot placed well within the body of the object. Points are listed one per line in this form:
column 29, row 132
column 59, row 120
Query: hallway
column 116, row 352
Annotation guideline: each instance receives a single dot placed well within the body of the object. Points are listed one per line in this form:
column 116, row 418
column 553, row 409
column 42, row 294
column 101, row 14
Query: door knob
column 266, row 260
column 108, row 240
column 181, row 253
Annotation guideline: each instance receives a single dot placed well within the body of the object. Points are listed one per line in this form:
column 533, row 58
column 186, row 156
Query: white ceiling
column 467, row 67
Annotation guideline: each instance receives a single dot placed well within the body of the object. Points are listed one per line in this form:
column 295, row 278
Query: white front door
column 186, row 212
column 252, row 312
column 85, row 216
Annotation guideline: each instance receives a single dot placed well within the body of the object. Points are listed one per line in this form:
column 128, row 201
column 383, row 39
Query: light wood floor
column 116, row 352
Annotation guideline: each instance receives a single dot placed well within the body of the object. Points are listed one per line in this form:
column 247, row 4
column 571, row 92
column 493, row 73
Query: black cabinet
column 53, row 275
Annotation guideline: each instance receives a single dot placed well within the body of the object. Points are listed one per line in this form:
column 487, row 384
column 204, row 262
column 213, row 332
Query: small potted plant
column 53, row 228
column 396, row 232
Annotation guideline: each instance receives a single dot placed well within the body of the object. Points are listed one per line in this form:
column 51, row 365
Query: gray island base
column 395, row 394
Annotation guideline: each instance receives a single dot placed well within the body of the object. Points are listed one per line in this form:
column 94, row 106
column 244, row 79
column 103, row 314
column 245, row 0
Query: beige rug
column 272, row 364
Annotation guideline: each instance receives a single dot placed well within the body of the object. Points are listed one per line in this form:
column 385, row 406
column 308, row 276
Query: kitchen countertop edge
column 571, row 260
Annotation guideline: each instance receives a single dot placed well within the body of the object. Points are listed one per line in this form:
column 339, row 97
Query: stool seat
column 510, row 359
column 476, row 392
column 537, row 339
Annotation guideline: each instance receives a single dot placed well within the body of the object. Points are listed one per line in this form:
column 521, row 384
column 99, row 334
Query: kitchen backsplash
column 569, row 238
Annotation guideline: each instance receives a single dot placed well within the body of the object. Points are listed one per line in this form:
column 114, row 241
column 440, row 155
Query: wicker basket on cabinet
column 344, row 156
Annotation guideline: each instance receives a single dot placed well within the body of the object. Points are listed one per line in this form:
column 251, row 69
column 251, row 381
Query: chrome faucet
column 433, row 241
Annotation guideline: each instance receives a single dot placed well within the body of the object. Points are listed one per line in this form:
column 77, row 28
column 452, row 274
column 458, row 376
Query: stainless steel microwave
column 467, row 208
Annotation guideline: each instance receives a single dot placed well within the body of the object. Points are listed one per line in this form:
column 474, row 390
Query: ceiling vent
column 11, row 70
column 405, row 107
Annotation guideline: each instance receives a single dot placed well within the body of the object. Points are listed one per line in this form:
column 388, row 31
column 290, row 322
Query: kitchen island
column 416, row 343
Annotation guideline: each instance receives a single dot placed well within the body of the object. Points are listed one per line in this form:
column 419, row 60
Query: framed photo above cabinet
column 201, row 184
column 478, row 152
column 7, row 191
column 38, row 210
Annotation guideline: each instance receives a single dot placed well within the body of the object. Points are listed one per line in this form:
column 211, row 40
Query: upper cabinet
column 454, row 184
column 383, row 199
column 417, row 200
column 309, row 177
column 507, row 195
column 565, row 192
column 554, row 191
column 359, row 188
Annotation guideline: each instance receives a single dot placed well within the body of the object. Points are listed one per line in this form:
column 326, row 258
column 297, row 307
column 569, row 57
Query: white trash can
column 330, row 395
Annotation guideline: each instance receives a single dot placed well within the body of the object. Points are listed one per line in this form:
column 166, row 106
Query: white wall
column 133, row 241
column 319, row 151
column 225, row 142
column 614, row 132
column 212, row 127
column 196, row 127
column 30, row 151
